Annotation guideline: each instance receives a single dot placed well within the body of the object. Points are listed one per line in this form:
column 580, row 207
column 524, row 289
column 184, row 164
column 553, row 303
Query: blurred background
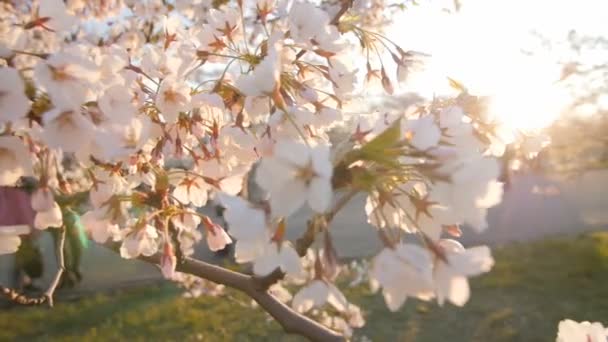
column 543, row 68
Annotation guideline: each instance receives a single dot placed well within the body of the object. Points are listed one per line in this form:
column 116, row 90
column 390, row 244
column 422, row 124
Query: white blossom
column 67, row 129
column 100, row 227
column 14, row 105
column 139, row 241
column 192, row 190
column 173, row 97
column 56, row 14
column 403, row 271
column 571, row 331
column 278, row 255
column 422, row 133
column 296, row 174
column 316, row 294
column 217, row 238
column 67, row 78
column 450, row 276
column 264, row 78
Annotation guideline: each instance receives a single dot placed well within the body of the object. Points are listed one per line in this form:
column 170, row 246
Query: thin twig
column 60, row 268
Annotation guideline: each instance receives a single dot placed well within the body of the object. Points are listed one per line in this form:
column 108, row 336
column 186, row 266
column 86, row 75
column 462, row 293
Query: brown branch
column 22, row 299
column 264, row 282
column 291, row 321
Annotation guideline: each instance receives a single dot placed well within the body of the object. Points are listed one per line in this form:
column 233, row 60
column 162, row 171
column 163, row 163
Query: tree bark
column 291, row 321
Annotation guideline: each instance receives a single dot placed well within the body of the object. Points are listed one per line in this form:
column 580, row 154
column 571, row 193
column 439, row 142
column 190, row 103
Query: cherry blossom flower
column 247, row 225
column 100, row 227
column 106, row 184
column 343, row 77
column 173, row 97
column 55, row 13
column 316, row 294
column 571, row 331
column 68, row 79
column 307, row 21
column 450, row 276
column 188, row 234
column 168, row 261
column 296, row 174
column 14, row 105
column 15, row 160
column 403, row 271
column 192, row 190
column 117, row 104
column 265, row 76
column 278, row 255
column 422, row 133
column 139, row 241
column 68, row 130
column 217, row 238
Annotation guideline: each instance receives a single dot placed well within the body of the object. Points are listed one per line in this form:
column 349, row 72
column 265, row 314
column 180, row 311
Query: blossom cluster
column 164, row 107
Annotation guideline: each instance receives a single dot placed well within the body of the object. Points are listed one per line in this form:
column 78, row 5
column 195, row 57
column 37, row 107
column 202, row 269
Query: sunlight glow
column 489, row 47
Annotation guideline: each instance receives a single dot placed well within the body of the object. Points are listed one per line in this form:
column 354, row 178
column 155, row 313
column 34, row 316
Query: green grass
column 531, row 288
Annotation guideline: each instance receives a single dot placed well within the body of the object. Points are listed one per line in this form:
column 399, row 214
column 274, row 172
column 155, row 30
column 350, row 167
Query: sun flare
column 489, row 47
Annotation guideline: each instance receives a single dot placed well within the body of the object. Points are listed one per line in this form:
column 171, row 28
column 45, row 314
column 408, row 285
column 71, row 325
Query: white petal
column 268, row 262
column 181, row 194
column 336, row 298
column 394, row 298
column 321, row 161
column 248, row 250
column 293, row 153
column 459, row 291
column 290, row 260
column 320, row 194
column 198, row 196
column 130, row 247
column 289, row 199
column 218, row 240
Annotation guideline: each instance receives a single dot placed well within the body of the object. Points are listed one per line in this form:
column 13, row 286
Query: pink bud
column 217, row 238
column 168, row 261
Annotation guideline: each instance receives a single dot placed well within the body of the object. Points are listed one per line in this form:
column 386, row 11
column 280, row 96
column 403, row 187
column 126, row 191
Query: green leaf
column 457, row 85
column 384, row 140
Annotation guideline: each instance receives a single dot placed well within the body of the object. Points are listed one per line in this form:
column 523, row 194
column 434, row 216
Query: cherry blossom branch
column 265, row 282
column 291, row 321
column 22, row 299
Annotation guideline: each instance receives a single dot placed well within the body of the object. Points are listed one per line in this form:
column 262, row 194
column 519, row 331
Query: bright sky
column 482, row 45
